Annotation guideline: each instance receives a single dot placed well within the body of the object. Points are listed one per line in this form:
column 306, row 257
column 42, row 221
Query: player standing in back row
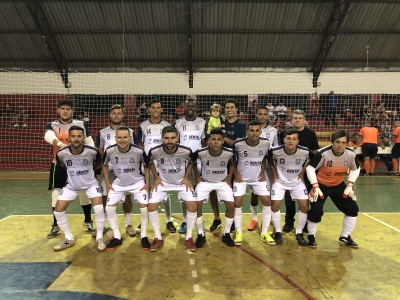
column 149, row 137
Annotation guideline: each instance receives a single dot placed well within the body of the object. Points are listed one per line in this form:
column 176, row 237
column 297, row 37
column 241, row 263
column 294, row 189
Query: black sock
column 87, row 210
column 54, row 217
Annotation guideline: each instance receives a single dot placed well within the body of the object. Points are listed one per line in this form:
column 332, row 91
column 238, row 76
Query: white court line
column 192, row 262
column 5, row 218
column 394, row 228
column 194, row 274
column 196, row 288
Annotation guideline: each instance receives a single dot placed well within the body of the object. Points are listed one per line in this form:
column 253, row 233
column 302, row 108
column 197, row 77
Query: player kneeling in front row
column 80, row 161
column 216, row 175
column 288, row 169
column 126, row 159
column 332, row 163
column 175, row 163
column 251, row 153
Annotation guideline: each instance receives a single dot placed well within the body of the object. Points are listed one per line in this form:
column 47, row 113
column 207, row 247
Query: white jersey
column 289, row 166
column 214, row 168
column 249, row 158
column 150, row 134
column 79, row 166
column 171, row 167
column 271, row 134
column 191, row 132
column 126, row 165
column 106, row 137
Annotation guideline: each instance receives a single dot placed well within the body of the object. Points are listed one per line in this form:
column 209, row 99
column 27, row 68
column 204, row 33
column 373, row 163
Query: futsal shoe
column 101, row 246
column 300, row 239
column 190, row 245
column 138, row 229
column 54, row 232
column 89, row 226
column 114, row 243
column 266, row 238
column 183, row 228
column 278, row 238
column 130, row 231
column 288, row 227
column 226, row 238
column 215, row 225
column 156, row 244
column 201, row 240
column 109, row 233
column 170, row 226
column 253, row 225
column 238, row 238
column 145, row 243
column 311, row 242
column 347, row 241
column 64, row 244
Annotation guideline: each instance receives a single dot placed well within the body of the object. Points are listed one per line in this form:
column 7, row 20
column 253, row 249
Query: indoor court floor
column 30, row 269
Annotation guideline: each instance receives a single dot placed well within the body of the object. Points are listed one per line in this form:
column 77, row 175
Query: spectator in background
column 396, row 148
column 271, row 113
column 347, row 112
column 314, row 105
column 7, row 113
column 180, row 110
column 381, row 112
column 387, row 158
column 395, row 115
column 253, row 108
column 281, row 110
column 332, row 104
column 22, row 114
column 386, row 129
column 143, row 112
column 367, row 112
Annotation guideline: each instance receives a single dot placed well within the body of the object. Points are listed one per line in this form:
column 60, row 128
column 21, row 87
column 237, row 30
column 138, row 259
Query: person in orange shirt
column 396, row 148
column 352, row 144
column 369, row 136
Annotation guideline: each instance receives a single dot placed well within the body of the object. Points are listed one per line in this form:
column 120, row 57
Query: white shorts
column 162, row 193
column 118, row 194
column 69, row 194
column 258, row 188
column 224, row 191
column 111, row 177
column 297, row 192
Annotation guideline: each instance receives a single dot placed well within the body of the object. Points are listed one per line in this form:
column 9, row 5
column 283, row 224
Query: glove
column 315, row 192
column 349, row 191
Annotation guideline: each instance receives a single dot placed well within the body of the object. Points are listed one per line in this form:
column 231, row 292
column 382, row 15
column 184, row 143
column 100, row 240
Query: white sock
column 155, row 223
column 62, row 222
column 348, row 225
column 312, row 228
column 301, row 222
column 128, row 219
column 228, row 224
column 199, row 225
column 184, row 211
column 238, row 219
column 100, row 220
column 254, row 211
column 113, row 219
column 54, row 196
column 144, row 221
column 266, row 218
column 167, row 207
column 191, row 220
column 276, row 220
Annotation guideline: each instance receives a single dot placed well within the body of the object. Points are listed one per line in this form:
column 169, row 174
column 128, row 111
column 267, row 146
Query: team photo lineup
column 215, row 159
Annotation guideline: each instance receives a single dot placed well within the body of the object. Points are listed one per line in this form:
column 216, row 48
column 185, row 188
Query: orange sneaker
column 253, row 224
column 156, row 244
column 190, row 245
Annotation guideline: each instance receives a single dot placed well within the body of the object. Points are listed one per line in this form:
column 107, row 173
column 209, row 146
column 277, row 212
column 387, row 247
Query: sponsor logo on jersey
column 185, row 137
column 218, row 172
column 260, row 153
column 228, row 132
column 267, row 135
column 234, row 188
column 222, row 164
column 197, row 127
column 119, row 170
column 78, row 173
column 293, row 170
column 148, row 131
column 129, row 170
column 85, row 162
column 194, row 137
column 194, row 194
column 208, row 172
column 297, row 161
column 174, row 171
column 272, row 192
column 339, row 173
column 156, row 141
column 282, row 161
column 246, row 163
column 178, row 161
column 346, row 163
column 71, row 173
column 255, row 163
column 131, row 160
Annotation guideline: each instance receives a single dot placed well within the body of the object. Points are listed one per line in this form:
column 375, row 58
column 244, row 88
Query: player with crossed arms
column 126, row 159
column 80, row 161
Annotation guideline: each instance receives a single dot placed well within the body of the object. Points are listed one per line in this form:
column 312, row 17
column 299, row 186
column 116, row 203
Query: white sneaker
column 15, row 125
column 64, row 244
column 101, row 246
column 25, row 125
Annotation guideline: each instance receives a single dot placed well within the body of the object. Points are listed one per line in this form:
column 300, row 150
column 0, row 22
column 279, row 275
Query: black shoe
column 347, row 241
column 278, row 238
column 233, row 227
column 305, row 229
column 201, row 240
column 114, row 243
column 311, row 241
column 370, row 174
column 170, row 226
column 145, row 243
column 300, row 239
column 226, row 238
column 366, row 174
column 215, row 225
column 362, row 171
column 288, row 227
column 396, row 174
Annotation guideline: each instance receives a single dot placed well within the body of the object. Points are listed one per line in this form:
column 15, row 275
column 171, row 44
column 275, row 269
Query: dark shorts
column 369, row 150
column 58, row 177
column 396, row 150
